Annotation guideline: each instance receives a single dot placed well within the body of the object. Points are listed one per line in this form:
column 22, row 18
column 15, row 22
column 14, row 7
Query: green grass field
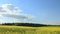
column 29, row 30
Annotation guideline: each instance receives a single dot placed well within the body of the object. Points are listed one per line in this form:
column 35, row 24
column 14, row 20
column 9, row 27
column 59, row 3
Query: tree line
column 28, row 24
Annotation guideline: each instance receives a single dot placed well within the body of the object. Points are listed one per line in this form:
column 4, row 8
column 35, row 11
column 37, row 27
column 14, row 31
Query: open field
column 29, row 30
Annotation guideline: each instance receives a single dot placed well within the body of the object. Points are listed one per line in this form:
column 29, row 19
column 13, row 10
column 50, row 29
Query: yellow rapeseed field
column 29, row 30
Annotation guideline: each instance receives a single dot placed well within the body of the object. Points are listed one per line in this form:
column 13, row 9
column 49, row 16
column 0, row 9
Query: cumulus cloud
column 11, row 11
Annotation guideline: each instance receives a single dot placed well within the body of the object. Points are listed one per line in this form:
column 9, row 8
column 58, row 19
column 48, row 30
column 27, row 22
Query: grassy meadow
column 29, row 30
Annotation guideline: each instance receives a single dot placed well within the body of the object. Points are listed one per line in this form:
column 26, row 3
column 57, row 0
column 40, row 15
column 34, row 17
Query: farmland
column 29, row 30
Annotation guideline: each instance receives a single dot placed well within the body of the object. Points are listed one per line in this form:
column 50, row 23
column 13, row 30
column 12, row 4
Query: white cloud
column 10, row 11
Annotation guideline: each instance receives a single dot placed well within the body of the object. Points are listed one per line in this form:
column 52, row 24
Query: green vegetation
column 16, row 30
column 29, row 30
column 29, row 24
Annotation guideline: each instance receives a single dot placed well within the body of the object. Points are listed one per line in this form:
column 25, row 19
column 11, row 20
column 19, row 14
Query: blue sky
column 44, row 11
